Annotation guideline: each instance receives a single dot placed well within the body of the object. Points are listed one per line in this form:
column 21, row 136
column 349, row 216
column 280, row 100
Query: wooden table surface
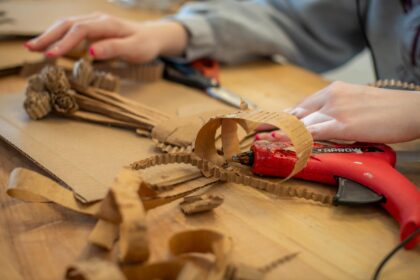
column 40, row 240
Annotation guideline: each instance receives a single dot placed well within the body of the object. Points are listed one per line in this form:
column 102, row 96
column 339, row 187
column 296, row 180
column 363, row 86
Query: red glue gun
column 364, row 173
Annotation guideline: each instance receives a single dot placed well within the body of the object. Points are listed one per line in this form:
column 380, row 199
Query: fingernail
column 92, row 52
column 50, row 54
column 292, row 112
column 53, row 52
column 27, row 45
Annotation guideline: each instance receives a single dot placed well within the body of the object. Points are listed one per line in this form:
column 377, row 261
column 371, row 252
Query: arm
column 315, row 34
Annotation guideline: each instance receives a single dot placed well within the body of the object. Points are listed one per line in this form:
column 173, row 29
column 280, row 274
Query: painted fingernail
column 53, row 52
column 92, row 52
column 27, row 45
column 292, row 112
column 50, row 53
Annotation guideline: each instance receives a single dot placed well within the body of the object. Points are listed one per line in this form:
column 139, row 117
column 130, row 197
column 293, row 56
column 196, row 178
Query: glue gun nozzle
column 246, row 158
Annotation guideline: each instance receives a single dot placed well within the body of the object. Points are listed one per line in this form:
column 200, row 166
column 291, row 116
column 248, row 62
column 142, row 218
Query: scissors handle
column 208, row 67
column 187, row 75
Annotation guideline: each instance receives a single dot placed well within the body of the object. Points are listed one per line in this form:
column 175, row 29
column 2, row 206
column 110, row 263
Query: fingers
column 310, row 120
column 55, row 32
column 90, row 29
column 321, row 126
column 113, row 48
column 71, row 38
column 109, row 48
column 327, row 131
column 66, row 34
column 275, row 135
column 315, row 118
column 311, row 104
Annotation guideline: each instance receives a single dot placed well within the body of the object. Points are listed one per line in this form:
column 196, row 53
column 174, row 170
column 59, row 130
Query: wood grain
column 41, row 240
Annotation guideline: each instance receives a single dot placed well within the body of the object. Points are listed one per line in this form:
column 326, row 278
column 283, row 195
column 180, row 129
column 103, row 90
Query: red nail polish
column 92, row 52
column 50, row 54
column 27, row 45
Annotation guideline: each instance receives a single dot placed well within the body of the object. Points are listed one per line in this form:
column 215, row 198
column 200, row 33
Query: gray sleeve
column 316, row 34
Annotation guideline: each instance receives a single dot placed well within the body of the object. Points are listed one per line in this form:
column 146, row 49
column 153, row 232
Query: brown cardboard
column 86, row 156
column 13, row 55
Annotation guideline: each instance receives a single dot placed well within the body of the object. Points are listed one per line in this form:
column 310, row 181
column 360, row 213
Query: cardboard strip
column 30, row 186
column 133, row 243
column 145, row 72
column 204, row 241
column 104, row 234
column 230, row 140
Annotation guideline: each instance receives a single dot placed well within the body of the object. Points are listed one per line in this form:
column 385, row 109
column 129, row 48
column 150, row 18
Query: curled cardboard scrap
column 181, row 132
column 200, row 203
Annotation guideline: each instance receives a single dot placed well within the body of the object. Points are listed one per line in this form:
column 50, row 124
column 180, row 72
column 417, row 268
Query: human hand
column 344, row 111
column 112, row 37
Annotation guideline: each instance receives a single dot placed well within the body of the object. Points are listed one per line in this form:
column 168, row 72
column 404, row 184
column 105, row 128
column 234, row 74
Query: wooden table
column 38, row 241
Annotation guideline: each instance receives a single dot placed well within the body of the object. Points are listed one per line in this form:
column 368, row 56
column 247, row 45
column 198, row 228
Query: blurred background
column 359, row 70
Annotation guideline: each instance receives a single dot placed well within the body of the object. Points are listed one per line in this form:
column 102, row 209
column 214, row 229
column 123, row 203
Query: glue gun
column 364, row 173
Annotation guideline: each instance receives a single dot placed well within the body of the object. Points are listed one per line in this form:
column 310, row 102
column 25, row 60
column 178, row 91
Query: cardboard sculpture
column 90, row 95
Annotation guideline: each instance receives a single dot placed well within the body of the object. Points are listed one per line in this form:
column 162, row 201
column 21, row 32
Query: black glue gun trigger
column 353, row 194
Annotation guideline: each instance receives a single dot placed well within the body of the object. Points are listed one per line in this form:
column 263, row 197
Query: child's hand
column 346, row 111
column 112, row 37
